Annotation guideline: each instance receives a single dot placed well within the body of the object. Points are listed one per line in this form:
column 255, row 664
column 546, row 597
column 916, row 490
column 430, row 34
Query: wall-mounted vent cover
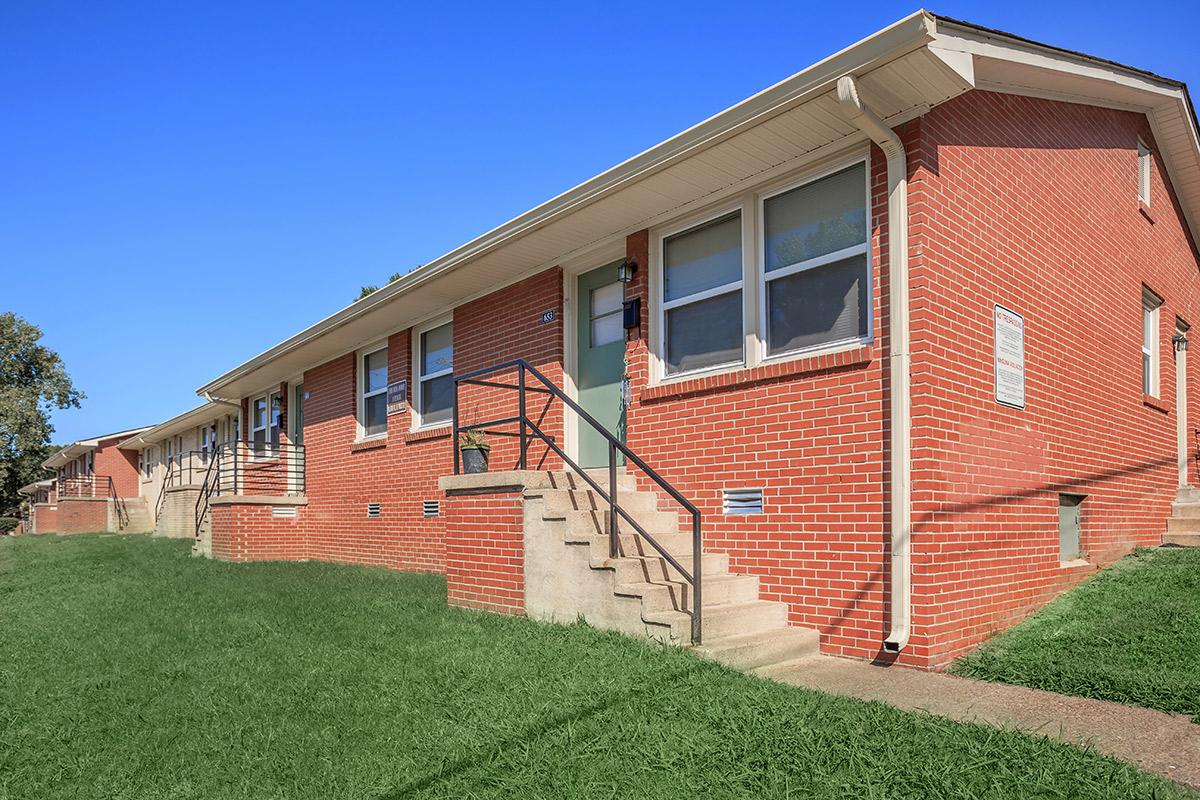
column 742, row 501
column 283, row 512
column 431, row 508
column 373, row 509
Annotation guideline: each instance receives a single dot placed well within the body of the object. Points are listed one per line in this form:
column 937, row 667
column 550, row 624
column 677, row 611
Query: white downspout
column 899, row 358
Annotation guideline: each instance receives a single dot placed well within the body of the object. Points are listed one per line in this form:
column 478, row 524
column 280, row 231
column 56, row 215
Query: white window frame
column 1145, row 164
column 760, row 263
column 363, row 394
column 1151, row 354
column 270, row 450
column 663, row 306
column 419, row 379
column 754, row 280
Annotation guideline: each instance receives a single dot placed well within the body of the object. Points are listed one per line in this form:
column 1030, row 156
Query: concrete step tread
column 754, row 650
column 783, row 668
column 720, row 610
column 640, row 589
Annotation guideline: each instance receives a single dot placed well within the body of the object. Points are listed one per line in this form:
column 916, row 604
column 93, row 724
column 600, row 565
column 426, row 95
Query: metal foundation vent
column 283, row 512
column 431, row 508
column 742, row 501
column 373, row 509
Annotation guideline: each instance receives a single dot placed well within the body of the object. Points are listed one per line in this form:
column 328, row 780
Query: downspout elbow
column 900, row 406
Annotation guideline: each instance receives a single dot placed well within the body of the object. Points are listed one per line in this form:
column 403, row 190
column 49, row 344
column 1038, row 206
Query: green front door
column 601, row 361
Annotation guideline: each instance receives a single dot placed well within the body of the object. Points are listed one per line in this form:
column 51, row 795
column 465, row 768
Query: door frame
column 1181, row 401
column 594, row 258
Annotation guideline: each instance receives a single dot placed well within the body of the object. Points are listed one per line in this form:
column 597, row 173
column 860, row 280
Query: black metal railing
column 95, row 486
column 251, row 468
column 187, row 468
column 529, row 429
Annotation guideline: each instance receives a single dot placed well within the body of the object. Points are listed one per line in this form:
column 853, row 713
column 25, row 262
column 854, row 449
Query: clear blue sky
column 221, row 175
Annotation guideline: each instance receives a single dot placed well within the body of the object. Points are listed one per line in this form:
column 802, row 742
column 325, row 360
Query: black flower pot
column 474, row 460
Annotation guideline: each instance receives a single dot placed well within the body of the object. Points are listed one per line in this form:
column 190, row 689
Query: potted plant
column 474, row 448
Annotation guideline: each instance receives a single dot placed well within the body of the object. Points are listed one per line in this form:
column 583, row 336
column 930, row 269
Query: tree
column 372, row 289
column 33, row 380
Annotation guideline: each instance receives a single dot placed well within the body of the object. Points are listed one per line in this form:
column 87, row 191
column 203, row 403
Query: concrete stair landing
column 570, row 575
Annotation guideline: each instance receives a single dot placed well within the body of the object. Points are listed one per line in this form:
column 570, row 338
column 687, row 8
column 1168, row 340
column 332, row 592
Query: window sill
column 377, row 443
column 1155, row 403
column 440, row 431
column 779, row 370
column 1145, row 211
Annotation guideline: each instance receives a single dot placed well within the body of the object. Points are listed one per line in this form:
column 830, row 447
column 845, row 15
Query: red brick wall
column 402, row 470
column 250, row 532
column 45, row 519
column 1033, row 204
column 120, row 465
column 82, row 515
column 485, row 551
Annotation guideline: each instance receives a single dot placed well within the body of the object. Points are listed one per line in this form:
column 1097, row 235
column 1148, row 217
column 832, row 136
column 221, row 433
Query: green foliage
column 372, row 288
column 1130, row 634
column 33, row 380
column 8, row 524
column 473, row 440
column 132, row 670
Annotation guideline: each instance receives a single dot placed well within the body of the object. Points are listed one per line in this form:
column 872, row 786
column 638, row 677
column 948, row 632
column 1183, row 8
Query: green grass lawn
column 1130, row 634
column 130, row 670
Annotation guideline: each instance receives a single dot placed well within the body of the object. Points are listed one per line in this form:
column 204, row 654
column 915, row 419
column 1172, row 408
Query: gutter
column 899, row 357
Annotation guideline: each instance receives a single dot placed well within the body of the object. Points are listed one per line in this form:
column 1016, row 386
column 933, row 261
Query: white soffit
column 178, row 424
column 780, row 129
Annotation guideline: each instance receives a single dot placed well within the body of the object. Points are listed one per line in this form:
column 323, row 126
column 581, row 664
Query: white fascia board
column 1057, row 74
column 914, row 31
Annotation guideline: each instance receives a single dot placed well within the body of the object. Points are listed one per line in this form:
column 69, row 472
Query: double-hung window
column 372, row 407
column 702, row 295
column 435, row 374
column 265, row 413
column 787, row 272
column 1150, row 368
column 815, row 267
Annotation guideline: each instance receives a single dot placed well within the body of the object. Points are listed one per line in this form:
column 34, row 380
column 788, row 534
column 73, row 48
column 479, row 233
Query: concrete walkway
column 1165, row 744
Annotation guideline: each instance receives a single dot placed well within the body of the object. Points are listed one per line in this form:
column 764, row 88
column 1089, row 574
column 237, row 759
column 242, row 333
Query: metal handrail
column 615, row 511
column 162, row 490
column 206, row 490
column 252, row 467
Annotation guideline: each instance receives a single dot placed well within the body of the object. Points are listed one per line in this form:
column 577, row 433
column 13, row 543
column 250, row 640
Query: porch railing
column 97, row 486
column 187, row 468
column 528, row 428
column 251, row 468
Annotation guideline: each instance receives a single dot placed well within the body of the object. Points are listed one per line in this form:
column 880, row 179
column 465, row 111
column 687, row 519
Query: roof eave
column 909, row 33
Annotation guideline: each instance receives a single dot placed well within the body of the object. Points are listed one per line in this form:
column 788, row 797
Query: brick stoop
column 569, row 574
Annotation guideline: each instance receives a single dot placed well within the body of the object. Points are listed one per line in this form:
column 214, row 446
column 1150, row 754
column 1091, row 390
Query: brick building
column 96, row 488
column 907, row 330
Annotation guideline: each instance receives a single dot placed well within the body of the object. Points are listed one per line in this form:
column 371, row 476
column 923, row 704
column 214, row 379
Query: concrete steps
column 639, row 592
column 138, row 516
column 1183, row 526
